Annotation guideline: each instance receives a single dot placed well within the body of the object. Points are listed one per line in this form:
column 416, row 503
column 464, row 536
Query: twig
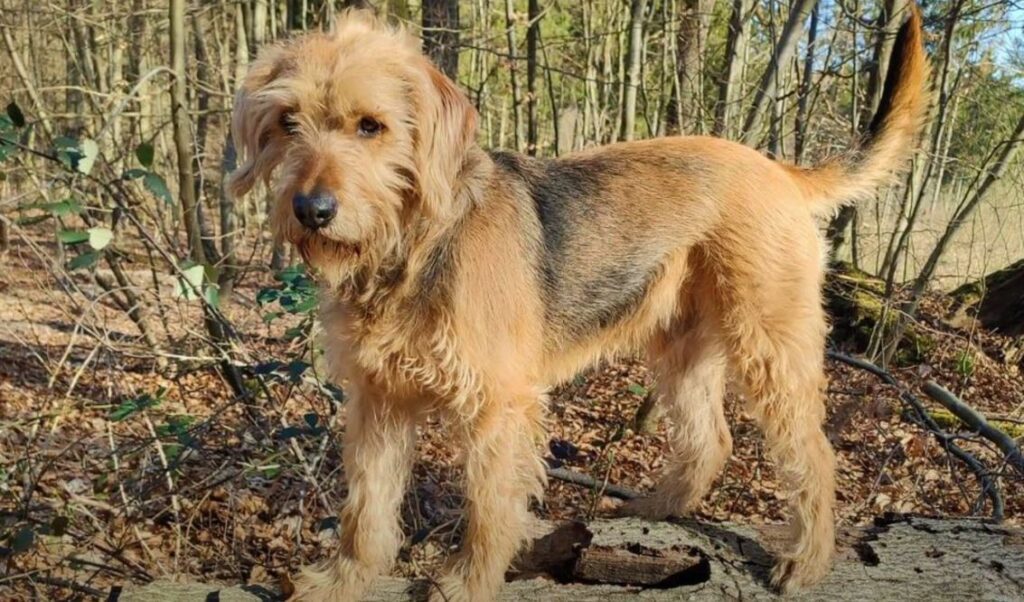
column 977, row 422
column 922, row 418
column 569, row 476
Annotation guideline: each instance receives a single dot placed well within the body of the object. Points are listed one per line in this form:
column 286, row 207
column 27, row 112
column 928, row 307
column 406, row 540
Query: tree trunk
column 513, row 71
column 636, row 39
column 804, row 97
column 441, row 35
column 895, row 558
column 532, row 36
column 731, row 90
column 182, row 132
column 694, row 21
column 781, row 57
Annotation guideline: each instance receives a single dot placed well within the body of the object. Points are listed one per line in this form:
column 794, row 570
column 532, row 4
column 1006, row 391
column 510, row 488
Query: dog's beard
column 331, row 260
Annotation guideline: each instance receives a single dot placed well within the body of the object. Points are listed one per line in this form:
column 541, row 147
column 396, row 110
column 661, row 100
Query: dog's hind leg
column 378, row 456
column 503, row 470
column 689, row 363
column 780, row 360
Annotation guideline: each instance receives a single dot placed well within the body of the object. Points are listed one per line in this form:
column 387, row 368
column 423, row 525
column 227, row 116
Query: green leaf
column 289, row 432
column 296, row 369
column 636, row 389
column 189, row 282
column 137, row 404
column 134, row 174
column 17, row 117
column 72, row 237
column 212, row 294
column 62, row 208
column 23, row 540
column 305, row 305
column 144, row 153
column 85, row 260
column 267, row 295
column 90, row 150
column 100, row 237
column 157, row 186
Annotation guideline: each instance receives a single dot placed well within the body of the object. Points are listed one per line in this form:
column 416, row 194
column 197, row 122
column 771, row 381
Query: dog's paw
column 450, row 588
column 791, row 575
column 343, row 581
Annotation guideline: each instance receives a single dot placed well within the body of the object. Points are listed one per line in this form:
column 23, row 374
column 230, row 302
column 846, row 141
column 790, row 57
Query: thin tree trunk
column 781, row 57
column 967, row 206
column 636, row 37
column 441, row 35
column 26, row 81
column 532, row 35
column 937, row 125
column 732, row 84
column 513, row 71
column 804, row 97
column 182, row 132
column 694, row 21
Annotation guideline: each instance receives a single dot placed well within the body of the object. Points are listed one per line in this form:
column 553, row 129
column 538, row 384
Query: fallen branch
column 976, row 422
column 920, row 417
column 569, row 476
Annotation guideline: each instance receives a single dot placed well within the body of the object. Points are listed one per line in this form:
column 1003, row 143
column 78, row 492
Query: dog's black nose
column 315, row 210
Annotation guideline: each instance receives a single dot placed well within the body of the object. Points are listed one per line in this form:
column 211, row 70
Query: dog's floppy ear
column 254, row 121
column 446, row 131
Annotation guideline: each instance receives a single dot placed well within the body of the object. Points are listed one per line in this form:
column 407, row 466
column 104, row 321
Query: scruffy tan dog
column 468, row 282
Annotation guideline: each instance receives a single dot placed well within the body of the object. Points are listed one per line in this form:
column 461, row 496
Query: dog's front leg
column 503, row 470
column 378, row 451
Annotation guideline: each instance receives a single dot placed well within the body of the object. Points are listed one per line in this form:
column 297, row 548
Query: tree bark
column 731, row 90
column 183, row 143
column 694, row 21
column 636, row 40
column 532, row 36
column 441, row 35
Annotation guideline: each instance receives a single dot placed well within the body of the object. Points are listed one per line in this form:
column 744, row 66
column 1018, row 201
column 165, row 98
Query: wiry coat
column 468, row 283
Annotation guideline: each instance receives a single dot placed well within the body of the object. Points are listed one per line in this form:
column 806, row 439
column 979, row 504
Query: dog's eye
column 288, row 123
column 370, row 127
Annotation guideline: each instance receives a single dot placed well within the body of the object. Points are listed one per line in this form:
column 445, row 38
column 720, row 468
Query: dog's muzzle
column 315, row 210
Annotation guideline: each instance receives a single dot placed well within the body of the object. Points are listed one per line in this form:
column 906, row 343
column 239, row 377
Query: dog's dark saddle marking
column 594, row 267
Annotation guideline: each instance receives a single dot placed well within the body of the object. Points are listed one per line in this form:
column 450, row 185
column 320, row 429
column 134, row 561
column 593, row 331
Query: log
column 898, row 557
column 997, row 300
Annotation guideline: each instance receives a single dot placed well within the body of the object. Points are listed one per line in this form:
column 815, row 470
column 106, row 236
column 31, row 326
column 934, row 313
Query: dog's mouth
column 313, row 246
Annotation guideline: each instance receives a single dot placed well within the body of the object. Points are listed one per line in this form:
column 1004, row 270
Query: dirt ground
column 122, row 463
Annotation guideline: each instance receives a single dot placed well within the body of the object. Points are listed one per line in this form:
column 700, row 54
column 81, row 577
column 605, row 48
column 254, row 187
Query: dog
column 467, row 283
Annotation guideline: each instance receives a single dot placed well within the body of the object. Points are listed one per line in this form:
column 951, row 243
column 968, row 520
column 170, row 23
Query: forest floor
column 120, row 463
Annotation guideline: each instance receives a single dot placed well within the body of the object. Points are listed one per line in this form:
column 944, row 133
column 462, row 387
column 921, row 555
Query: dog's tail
column 890, row 139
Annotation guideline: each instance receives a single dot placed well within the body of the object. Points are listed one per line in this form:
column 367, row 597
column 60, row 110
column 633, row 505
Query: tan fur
column 453, row 282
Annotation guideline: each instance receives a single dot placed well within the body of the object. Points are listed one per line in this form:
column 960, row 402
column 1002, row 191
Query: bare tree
column 636, row 39
column 441, row 34
column 532, row 36
column 781, row 57
column 731, row 91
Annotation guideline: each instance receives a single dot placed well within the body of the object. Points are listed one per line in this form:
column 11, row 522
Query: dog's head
column 355, row 133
